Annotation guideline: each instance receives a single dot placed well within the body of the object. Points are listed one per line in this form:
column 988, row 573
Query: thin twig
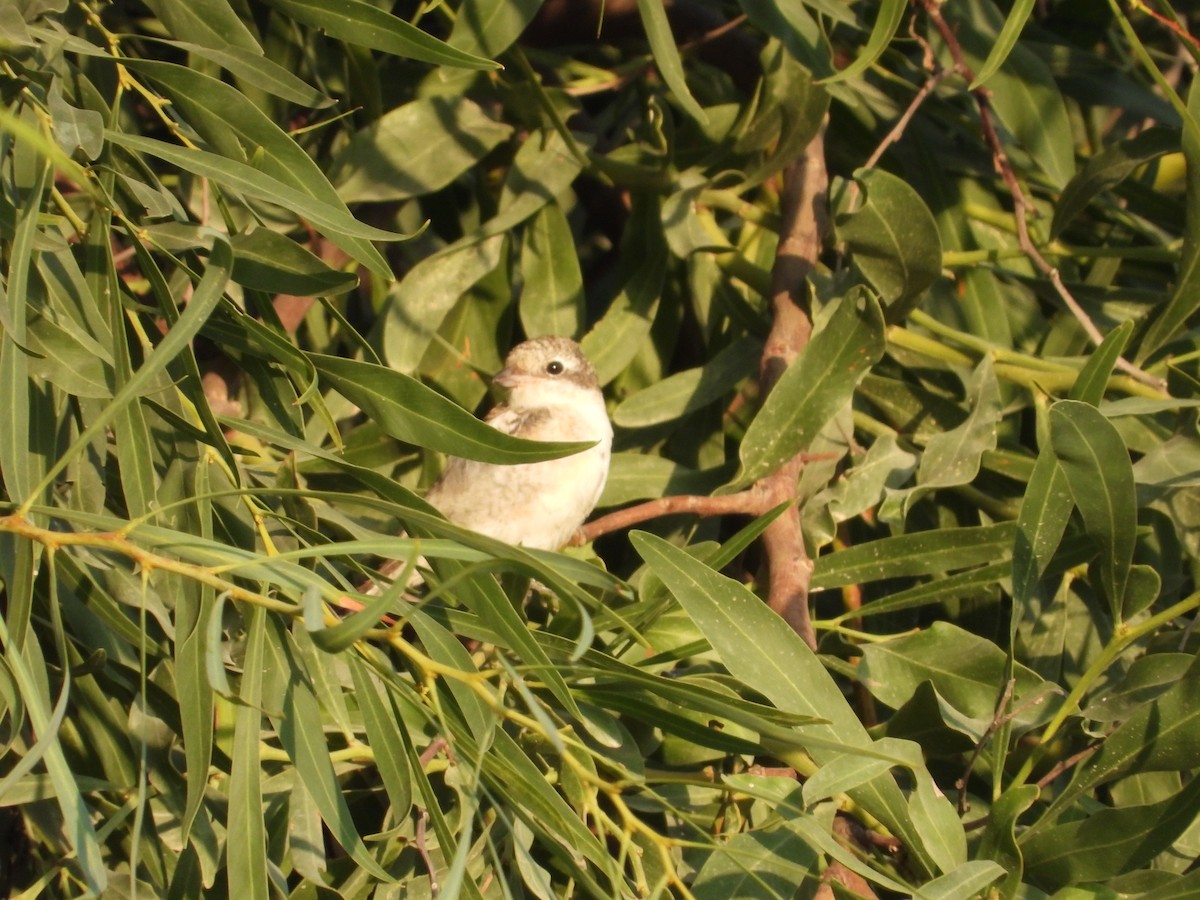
column 897, row 132
column 1170, row 24
column 1021, row 206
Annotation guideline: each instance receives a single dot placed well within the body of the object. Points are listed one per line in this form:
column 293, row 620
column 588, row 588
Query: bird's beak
column 507, row 378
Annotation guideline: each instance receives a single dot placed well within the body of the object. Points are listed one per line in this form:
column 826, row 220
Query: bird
column 551, row 394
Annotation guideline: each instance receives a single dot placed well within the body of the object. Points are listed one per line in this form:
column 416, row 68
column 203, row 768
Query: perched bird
column 552, row 395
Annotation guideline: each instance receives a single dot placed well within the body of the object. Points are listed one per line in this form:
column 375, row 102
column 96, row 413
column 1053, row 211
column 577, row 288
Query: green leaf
column 1045, row 511
column 415, row 414
column 1024, row 94
column 22, row 664
column 238, row 130
column 1098, row 470
column 267, row 261
column 815, row 386
column 415, row 149
column 204, row 299
column 259, row 71
column 419, row 302
column 383, row 736
column 249, row 180
column 357, row 22
column 543, row 168
column 1185, row 299
column 891, row 12
column 768, row 863
column 966, row 880
column 685, row 392
column 300, row 731
column 487, row 28
column 922, row 553
column 1092, row 382
column 1109, row 842
column 1009, row 34
column 893, row 239
column 966, row 670
column 444, row 647
column 552, row 300
column 1162, row 735
column 212, row 23
column 245, row 855
column 999, row 842
column 954, row 457
column 616, row 339
column 1108, row 168
column 666, row 55
column 762, row 652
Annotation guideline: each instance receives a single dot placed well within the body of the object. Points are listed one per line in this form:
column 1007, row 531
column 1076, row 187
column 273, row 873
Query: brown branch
column 1021, row 206
column 1170, row 24
column 804, row 210
column 749, row 502
column 803, row 205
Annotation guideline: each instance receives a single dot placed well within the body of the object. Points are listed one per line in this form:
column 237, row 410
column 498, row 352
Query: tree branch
column 1021, row 205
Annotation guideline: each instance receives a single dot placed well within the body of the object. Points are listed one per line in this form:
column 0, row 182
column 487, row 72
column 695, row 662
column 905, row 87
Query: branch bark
column 804, row 217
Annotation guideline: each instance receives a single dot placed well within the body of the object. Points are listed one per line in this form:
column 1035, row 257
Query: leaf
column 1045, row 511
column 46, row 723
column 445, row 648
column 614, row 341
column 204, row 299
column 893, row 239
column 966, row 670
column 241, row 177
column 1092, row 382
column 641, row 476
column 267, row 261
column 543, row 168
column 487, row 28
column 763, row 653
column 1024, row 94
column 253, row 68
column 301, row 733
column 552, row 300
column 1107, row 169
column 891, row 12
column 1185, row 299
column 383, row 725
column 212, row 23
column 768, row 863
column 1109, row 842
column 357, row 22
column 666, row 55
column 415, row 149
column 922, row 553
column 1009, row 34
column 999, row 841
column 954, row 457
column 415, row 414
column 418, row 303
column 685, row 392
column 815, row 386
column 1098, row 470
column 256, row 148
column 1163, row 735
column 966, row 880
column 246, row 857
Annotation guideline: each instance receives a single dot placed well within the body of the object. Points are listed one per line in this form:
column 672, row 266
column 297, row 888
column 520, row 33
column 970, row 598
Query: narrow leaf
column 409, row 411
column 1098, row 470
column 815, row 386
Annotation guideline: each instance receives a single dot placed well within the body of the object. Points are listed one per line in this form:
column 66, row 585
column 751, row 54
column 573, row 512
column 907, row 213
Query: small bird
column 552, row 395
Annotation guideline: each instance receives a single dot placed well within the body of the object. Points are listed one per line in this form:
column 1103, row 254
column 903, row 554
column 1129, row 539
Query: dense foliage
column 259, row 258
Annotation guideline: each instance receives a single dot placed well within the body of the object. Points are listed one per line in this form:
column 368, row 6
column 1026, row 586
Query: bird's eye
column 554, row 368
